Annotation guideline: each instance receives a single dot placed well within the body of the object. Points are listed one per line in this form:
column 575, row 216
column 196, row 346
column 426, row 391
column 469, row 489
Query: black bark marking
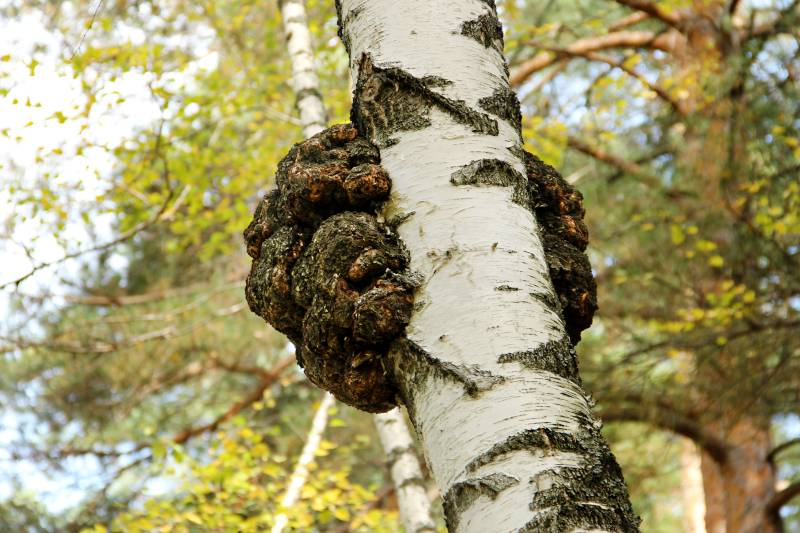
column 412, row 482
column 504, row 104
column 548, row 298
column 418, row 363
column 485, row 29
column 344, row 22
column 508, row 288
column 543, row 439
column 580, row 515
column 493, row 173
column 597, row 479
column 396, row 453
column 556, row 356
column 463, row 494
column 390, row 100
column 305, row 93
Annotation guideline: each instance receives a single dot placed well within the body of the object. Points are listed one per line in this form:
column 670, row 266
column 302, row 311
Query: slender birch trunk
column 305, row 82
column 300, row 473
column 486, row 372
column 397, row 443
column 415, row 507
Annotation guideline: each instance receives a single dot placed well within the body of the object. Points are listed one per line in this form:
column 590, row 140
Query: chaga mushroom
column 326, row 272
column 559, row 210
column 334, row 279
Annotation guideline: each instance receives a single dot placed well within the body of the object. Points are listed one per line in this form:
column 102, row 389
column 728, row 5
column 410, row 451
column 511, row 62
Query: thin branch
column 268, row 378
column 255, row 395
column 300, row 473
column 653, row 10
column 783, row 497
column 87, row 28
column 674, row 422
column 617, row 162
column 137, row 299
column 165, row 212
column 608, row 60
column 668, row 41
column 628, row 21
column 780, row 448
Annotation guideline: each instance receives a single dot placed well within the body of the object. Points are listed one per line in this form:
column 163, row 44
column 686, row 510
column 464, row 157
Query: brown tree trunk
column 737, row 492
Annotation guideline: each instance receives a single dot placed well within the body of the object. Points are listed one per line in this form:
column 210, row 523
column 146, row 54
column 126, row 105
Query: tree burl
column 334, row 278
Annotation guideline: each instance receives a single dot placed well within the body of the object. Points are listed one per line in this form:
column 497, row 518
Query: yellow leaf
column 193, row 518
column 705, row 246
column 716, row 261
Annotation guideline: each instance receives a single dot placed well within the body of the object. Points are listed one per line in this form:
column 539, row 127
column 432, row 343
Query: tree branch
column 164, row 213
column 624, row 165
column 620, row 64
column 674, row 422
column 630, row 20
column 668, row 42
column 780, row 448
column 653, row 10
column 256, row 394
column 783, row 497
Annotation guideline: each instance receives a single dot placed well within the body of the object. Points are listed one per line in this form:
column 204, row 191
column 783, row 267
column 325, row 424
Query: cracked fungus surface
column 326, row 272
column 333, row 278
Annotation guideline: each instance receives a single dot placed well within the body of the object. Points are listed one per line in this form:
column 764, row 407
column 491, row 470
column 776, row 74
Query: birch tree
column 483, row 359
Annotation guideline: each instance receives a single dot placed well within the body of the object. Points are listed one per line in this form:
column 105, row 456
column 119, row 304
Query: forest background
column 136, row 137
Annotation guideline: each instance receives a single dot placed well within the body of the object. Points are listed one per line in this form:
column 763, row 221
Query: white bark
column 394, row 435
column 300, row 473
column 304, row 75
column 466, row 242
column 406, row 473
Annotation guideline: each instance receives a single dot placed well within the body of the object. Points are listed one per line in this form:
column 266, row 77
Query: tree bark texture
column 486, row 368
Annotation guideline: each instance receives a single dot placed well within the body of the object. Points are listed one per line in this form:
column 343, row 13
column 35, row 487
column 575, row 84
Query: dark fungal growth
column 559, row 210
column 326, row 272
column 334, row 279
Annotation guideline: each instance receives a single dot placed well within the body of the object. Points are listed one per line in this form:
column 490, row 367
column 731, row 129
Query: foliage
column 177, row 113
column 238, row 487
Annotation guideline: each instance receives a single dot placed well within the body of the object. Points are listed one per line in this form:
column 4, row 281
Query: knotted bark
column 333, row 277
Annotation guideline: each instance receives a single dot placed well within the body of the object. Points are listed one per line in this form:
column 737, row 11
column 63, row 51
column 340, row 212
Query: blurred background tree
column 133, row 371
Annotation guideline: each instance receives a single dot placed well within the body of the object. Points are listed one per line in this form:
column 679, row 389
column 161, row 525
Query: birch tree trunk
column 305, row 82
column 397, row 443
column 300, row 473
column 415, row 508
column 486, row 371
